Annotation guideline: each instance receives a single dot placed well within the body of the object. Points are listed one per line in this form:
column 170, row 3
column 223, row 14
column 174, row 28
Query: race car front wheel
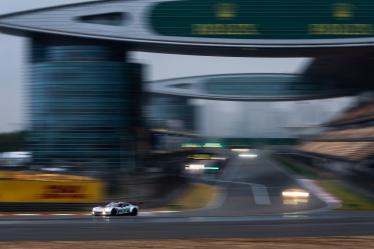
column 113, row 213
column 134, row 212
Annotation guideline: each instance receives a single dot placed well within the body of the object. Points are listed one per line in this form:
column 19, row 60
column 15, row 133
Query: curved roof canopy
column 239, row 27
column 247, row 87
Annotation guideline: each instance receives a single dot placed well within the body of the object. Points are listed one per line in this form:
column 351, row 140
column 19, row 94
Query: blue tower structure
column 84, row 103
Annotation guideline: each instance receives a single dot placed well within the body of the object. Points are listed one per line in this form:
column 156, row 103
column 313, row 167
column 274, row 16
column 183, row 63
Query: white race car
column 116, row 208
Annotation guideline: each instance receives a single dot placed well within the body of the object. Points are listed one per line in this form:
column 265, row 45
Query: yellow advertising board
column 34, row 191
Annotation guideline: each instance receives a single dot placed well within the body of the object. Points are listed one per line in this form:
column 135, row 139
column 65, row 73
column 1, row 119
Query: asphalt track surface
column 250, row 206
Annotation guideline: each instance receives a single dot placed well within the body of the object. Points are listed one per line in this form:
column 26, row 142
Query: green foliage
column 296, row 168
column 350, row 199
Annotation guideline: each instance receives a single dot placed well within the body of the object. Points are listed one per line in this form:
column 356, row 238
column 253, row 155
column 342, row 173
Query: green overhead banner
column 264, row 19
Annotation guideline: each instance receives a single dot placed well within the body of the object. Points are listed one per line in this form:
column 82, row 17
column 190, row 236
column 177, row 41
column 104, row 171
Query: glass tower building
column 82, row 104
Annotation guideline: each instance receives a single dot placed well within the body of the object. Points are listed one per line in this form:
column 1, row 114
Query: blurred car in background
column 295, row 196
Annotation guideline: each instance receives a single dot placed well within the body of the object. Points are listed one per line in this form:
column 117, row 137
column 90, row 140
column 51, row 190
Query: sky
column 13, row 71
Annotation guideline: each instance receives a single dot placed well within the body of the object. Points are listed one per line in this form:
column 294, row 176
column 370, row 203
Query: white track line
column 260, row 194
column 331, row 200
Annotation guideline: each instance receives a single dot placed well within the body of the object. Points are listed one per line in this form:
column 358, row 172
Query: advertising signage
column 264, row 19
column 218, row 27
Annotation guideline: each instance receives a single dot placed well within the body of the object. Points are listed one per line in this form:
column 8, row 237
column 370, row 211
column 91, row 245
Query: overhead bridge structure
column 86, row 95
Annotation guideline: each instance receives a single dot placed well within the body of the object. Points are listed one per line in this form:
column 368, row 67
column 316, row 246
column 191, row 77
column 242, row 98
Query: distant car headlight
column 240, row 150
column 194, row 166
column 247, row 155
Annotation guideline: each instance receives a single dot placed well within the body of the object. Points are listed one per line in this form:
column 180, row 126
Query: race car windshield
column 112, row 204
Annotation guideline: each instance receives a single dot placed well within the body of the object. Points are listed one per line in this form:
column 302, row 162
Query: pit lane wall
column 25, row 187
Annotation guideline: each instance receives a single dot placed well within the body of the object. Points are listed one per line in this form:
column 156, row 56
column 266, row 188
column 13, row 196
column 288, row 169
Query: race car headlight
column 295, row 194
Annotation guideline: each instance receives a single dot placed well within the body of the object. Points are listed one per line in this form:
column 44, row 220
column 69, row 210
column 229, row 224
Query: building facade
column 83, row 104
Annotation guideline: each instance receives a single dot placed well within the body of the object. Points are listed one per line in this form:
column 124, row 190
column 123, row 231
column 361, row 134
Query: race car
column 295, row 196
column 116, row 208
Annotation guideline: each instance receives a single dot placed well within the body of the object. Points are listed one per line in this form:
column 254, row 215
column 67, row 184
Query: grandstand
column 344, row 150
column 359, row 113
column 360, row 134
column 349, row 137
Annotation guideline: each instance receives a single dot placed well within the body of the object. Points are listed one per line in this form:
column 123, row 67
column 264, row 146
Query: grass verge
column 350, row 200
column 197, row 195
column 296, row 168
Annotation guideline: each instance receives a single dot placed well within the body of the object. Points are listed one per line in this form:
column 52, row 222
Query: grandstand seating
column 358, row 112
column 355, row 143
column 364, row 133
column 346, row 150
